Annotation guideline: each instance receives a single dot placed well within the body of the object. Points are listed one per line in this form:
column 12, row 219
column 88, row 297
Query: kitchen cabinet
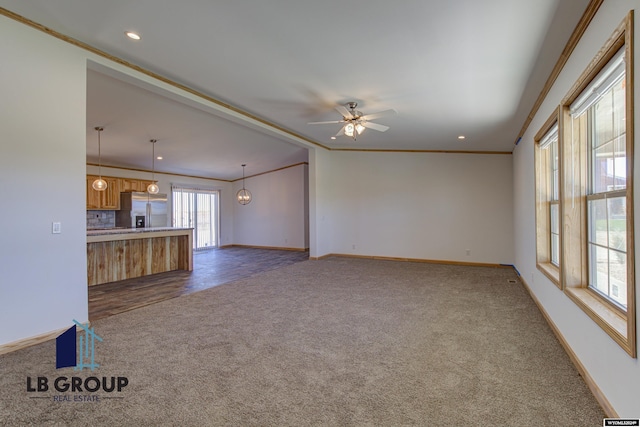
column 105, row 200
column 129, row 184
column 110, row 198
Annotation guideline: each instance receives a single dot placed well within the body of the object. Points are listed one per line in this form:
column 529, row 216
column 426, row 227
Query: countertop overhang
column 107, row 235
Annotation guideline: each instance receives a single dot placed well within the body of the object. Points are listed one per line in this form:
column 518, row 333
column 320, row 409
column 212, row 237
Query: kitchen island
column 124, row 253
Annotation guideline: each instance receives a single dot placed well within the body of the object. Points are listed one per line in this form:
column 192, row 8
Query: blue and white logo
column 67, row 348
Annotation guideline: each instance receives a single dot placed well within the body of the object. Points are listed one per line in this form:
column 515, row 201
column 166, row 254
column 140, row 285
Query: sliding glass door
column 197, row 208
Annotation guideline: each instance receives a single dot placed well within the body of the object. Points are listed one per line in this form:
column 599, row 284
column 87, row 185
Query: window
column 606, row 197
column 198, row 209
column 547, row 155
column 596, row 152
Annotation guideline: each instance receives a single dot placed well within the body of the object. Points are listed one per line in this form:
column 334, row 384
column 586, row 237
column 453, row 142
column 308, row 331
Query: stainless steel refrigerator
column 142, row 210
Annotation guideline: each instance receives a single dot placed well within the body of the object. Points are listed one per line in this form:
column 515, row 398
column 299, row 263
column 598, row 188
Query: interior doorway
column 198, row 209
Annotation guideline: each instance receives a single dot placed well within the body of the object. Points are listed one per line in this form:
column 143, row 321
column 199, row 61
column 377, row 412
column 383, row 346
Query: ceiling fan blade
column 375, row 126
column 379, row 114
column 341, row 131
column 343, row 110
column 326, row 123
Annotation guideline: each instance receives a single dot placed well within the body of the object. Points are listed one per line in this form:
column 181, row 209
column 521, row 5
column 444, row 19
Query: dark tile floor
column 210, row 268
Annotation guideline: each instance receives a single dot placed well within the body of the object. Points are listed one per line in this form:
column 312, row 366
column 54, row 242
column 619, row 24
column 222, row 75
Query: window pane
column 620, row 163
column 617, row 214
column 603, row 120
column 555, row 249
column 619, row 110
column 555, row 218
column 618, row 277
column 603, row 168
column 599, row 268
column 598, row 229
column 554, row 167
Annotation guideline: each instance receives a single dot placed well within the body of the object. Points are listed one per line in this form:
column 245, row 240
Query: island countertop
column 123, row 253
column 110, row 234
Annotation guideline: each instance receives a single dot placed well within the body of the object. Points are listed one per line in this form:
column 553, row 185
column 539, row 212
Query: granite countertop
column 104, row 231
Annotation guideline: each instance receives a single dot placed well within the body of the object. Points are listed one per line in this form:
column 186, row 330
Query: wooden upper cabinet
column 110, row 198
column 105, row 200
column 93, row 196
column 129, row 184
column 144, row 184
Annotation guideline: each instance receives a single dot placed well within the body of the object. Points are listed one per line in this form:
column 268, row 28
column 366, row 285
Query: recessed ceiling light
column 461, row 137
column 159, row 158
column 333, row 137
column 132, row 35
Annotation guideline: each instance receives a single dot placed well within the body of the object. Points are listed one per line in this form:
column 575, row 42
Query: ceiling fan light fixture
column 99, row 184
column 354, row 122
column 349, row 129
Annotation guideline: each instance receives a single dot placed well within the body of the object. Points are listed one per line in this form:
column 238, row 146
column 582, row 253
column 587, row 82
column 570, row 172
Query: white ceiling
column 449, row 68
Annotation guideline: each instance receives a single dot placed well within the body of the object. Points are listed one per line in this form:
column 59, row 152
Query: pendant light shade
column 243, row 195
column 153, row 187
column 99, row 184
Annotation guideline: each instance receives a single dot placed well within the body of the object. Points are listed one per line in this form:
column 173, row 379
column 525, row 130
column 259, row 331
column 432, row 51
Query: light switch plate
column 56, row 228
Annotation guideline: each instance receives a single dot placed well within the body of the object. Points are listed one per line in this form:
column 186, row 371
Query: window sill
column 610, row 320
column 551, row 271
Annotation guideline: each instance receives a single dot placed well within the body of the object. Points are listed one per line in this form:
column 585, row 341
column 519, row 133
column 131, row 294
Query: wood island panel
column 115, row 257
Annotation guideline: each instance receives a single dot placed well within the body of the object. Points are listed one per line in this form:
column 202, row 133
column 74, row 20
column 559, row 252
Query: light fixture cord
column 153, row 162
column 99, row 155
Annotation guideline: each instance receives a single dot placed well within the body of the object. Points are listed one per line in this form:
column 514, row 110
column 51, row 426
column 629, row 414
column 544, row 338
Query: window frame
column 543, row 201
column 617, row 323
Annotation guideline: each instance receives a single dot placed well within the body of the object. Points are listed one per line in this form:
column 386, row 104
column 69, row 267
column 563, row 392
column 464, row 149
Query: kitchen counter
column 122, row 253
column 129, row 231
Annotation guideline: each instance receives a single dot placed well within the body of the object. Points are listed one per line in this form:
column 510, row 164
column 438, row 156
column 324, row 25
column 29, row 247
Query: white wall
column 432, row 206
column 227, row 196
column 615, row 373
column 320, row 203
column 43, row 280
column 277, row 215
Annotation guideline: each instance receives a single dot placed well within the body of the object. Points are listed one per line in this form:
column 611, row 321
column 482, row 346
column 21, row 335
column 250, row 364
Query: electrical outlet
column 56, row 227
column 353, row 246
column 468, row 252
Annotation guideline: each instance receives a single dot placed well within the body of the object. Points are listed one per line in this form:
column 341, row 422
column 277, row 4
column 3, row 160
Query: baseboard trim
column 28, row 342
column 593, row 387
column 265, row 247
column 402, row 259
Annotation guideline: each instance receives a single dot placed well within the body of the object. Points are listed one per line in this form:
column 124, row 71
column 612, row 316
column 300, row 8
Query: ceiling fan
column 355, row 122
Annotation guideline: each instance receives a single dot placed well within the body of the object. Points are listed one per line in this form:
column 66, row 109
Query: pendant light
column 153, row 187
column 244, row 195
column 99, row 184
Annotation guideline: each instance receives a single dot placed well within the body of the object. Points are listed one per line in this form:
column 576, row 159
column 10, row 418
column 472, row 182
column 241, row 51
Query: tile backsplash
column 101, row 219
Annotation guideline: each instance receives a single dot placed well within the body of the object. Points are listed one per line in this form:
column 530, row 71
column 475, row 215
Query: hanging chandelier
column 99, row 184
column 243, row 195
column 153, row 187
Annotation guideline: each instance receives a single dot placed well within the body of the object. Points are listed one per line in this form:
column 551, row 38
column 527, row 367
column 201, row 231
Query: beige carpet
column 335, row 342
